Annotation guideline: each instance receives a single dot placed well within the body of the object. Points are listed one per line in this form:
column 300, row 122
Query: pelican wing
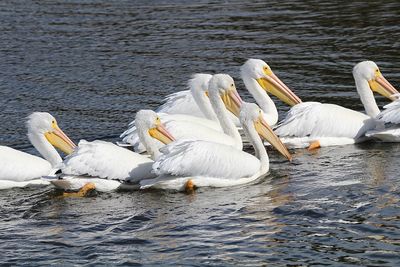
column 106, row 160
column 391, row 114
column 187, row 130
column 391, row 131
column 180, row 103
column 200, row 158
column 20, row 166
column 390, row 134
column 313, row 119
column 165, row 118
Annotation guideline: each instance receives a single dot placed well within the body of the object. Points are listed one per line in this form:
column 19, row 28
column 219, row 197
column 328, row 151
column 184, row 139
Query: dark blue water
column 93, row 64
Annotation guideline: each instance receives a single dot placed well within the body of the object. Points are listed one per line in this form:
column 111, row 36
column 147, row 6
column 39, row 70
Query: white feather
column 201, row 158
column 107, row 160
column 391, row 114
column 184, row 126
column 180, row 103
column 20, row 166
column 192, row 106
column 180, row 126
column 208, row 163
column 319, row 121
column 391, row 134
column 183, row 102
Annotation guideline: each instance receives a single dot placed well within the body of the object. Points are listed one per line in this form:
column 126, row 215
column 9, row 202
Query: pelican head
column 222, row 85
column 252, row 116
column 369, row 71
column 262, row 73
column 42, row 123
column 148, row 120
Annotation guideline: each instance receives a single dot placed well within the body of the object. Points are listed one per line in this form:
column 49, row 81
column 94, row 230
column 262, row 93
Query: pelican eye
column 267, row 70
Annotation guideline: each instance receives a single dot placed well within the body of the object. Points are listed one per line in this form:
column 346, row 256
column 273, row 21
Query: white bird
column 315, row 124
column 189, row 102
column 20, row 169
column 391, row 120
column 184, row 126
column 193, row 102
column 186, row 164
column 181, row 107
column 106, row 166
column 259, row 79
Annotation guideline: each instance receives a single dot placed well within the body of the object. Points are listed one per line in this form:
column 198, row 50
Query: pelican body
column 315, row 124
column 201, row 163
column 20, row 169
column 107, row 166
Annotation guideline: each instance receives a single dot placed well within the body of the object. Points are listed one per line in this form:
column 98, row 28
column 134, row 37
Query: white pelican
column 184, row 101
column 184, row 126
column 19, row 169
column 193, row 102
column 106, row 166
column 186, row 164
column 189, row 102
column 315, row 124
column 391, row 118
column 259, row 79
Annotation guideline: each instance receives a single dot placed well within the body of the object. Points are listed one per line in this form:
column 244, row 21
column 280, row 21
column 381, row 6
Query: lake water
column 94, row 63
